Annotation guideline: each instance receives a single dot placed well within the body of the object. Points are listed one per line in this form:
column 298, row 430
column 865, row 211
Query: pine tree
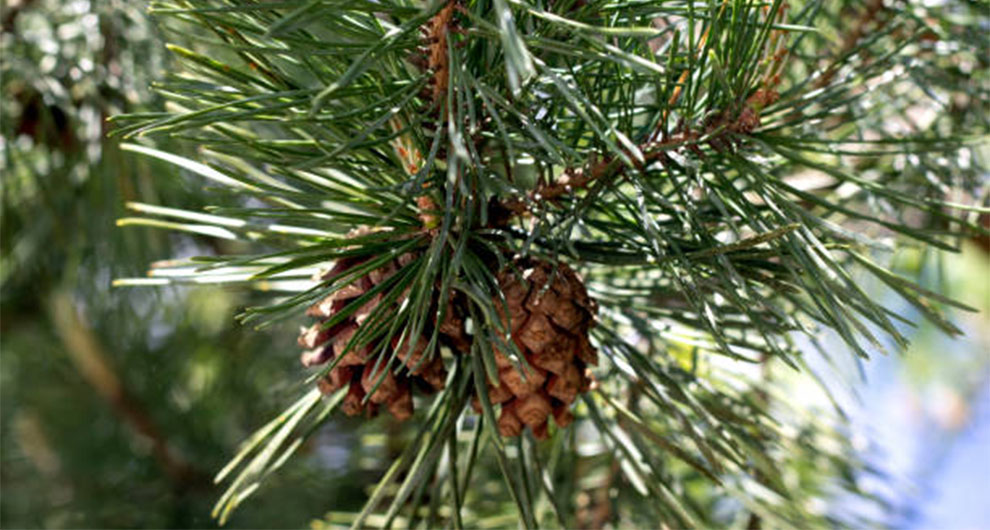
column 570, row 243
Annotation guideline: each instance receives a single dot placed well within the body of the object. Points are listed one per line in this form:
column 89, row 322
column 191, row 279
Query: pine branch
column 718, row 182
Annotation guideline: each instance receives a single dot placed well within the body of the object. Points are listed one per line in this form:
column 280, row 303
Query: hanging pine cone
column 549, row 325
column 363, row 366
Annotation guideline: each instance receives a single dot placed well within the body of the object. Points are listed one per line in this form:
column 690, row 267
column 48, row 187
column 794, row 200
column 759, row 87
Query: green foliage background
column 78, row 442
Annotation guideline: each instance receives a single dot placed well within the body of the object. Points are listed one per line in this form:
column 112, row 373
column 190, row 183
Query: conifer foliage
column 556, row 237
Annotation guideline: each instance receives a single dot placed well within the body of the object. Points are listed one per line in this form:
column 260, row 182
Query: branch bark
column 89, row 357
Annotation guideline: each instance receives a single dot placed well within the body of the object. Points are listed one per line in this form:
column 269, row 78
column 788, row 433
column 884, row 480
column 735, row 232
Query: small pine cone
column 363, row 365
column 549, row 314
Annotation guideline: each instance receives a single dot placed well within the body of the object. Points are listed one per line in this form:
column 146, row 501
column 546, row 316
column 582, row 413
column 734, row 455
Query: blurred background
column 119, row 405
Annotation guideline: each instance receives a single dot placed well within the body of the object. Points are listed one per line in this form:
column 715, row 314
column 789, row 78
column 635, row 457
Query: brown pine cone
column 364, row 367
column 549, row 314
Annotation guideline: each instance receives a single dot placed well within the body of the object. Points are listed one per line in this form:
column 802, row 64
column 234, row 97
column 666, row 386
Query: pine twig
column 87, row 354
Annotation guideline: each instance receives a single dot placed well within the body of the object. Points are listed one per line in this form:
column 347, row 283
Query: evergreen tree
column 570, row 244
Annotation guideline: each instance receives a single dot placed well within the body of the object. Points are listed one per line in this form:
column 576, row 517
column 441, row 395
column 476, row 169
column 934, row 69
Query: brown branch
column 720, row 134
column 720, row 131
column 437, row 60
column 89, row 357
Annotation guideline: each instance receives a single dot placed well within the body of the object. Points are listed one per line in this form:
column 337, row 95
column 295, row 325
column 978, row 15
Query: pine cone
column 549, row 314
column 364, row 368
column 546, row 308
